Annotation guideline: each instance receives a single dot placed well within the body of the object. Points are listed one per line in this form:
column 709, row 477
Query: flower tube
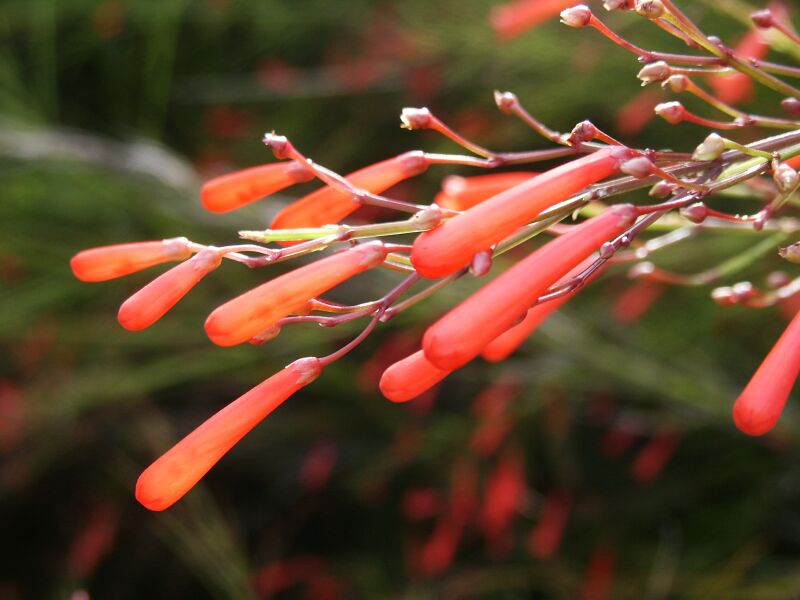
column 110, row 262
column 760, row 405
column 451, row 245
column 173, row 474
column 246, row 316
column 466, row 330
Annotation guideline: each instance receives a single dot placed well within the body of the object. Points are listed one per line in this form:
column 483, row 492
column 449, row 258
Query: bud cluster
column 474, row 220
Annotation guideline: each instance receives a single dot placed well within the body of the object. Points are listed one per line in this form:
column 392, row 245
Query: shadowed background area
column 602, row 451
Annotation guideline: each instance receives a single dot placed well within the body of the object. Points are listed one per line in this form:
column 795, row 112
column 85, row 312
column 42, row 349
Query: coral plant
column 477, row 219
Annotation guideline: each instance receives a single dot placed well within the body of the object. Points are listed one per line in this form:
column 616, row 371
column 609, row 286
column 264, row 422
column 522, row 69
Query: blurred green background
column 111, row 115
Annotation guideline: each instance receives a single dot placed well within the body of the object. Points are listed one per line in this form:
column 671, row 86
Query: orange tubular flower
column 410, row 377
column 245, row 316
column 234, row 190
column 461, row 193
column 110, row 262
column 451, row 245
column 512, row 19
column 738, row 87
column 502, row 346
column 153, row 301
column 760, row 405
column 166, row 481
column 329, row 205
column 466, row 330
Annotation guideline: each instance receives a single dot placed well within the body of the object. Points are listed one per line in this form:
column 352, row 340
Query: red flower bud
column 330, row 205
column 153, row 301
column 461, row 193
column 452, row 244
column 234, row 190
column 738, row 87
column 546, row 537
column 502, row 346
column 635, row 301
column 654, row 456
column 246, row 316
column 599, row 577
column 109, row 262
column 465, row 331
column 505, row 492
column 760, row 405
column 512, row 19
column 410, row 377
column 166, row 481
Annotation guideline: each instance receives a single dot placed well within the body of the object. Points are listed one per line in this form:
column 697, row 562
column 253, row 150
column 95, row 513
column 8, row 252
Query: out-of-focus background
column 609, row 424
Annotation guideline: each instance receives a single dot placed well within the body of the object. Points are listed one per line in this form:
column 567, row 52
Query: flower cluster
column 474, row 220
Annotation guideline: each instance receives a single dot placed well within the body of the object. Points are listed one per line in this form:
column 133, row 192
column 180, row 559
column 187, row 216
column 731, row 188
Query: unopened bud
column 786, row 178
column 584, row 131
column 650, row 9
column 657, row 71
column 577, row 16
column 791, row 253
column 662, row 189
column 677, row 83
column 429, row 217
column 710, row 148
column 724, row 296
column 791, row 106
column 778, row 279
column 481, row 263
column 696, row 213
column 743, row 291
column 278, row 143
column 642, row 269
column 505, row 100
column 415, row 118
column 671, row 112
column 762, row 18
column 639, row 167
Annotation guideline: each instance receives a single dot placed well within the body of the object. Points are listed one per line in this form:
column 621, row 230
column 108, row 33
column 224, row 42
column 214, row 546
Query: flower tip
column 146, row 493
column 751, row 421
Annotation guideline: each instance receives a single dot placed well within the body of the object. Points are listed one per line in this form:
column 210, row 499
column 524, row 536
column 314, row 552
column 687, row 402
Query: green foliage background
column 107, row 110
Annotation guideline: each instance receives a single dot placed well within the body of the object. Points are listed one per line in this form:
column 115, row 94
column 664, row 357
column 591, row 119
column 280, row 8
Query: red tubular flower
column 760, row 405
column 512, row 19
column 546, row 537
column 460, row 335
column 410, row 377
column 234, row 190
column 110, row 262
column 654, row 456
column 491, row 411
column 636, row 114
column 421, row 503
column 461, row 193
column 329, row 205
column 599, row 574
column 245, row 316
column 634, row 302
column 153, row 301
column 166, row 481
column 451, row 245
column 738, row 87
column 505, row 491
column 502, row 346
